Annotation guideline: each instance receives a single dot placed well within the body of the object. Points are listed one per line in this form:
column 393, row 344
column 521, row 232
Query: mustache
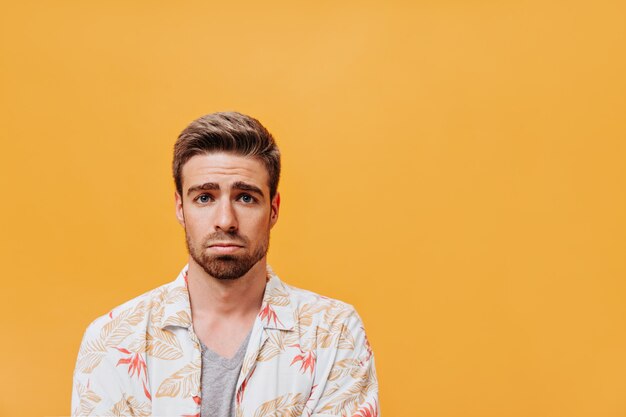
column 233, row 237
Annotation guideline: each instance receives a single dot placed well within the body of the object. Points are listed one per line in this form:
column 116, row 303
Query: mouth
column 224, row 247
column 224, row 244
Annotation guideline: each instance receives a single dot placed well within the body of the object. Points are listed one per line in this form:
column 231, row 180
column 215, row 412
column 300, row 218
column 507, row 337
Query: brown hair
column 227, row 132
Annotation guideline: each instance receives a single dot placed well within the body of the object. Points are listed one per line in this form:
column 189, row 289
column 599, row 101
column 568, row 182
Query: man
column 227, row 337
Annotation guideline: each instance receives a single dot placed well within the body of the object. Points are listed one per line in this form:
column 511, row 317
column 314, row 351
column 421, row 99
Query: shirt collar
column 277, row 310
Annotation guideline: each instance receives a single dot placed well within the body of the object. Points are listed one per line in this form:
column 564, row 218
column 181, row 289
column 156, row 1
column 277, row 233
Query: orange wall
column 454, row 169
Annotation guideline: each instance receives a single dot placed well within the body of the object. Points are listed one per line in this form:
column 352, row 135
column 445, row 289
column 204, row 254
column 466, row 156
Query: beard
column 226, row 267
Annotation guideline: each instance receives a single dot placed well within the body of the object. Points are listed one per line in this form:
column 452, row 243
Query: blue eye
column 247, row 198
column 203, row 198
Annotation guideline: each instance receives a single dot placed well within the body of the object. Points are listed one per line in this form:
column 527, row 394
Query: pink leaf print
column 269, row 314
column 306, row 359
column 368, row 410
column 145, row 391
column 135, row 363
column 244, row 384
column 307, row 408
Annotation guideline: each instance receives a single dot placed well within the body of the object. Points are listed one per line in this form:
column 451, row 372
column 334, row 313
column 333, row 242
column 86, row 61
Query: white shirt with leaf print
column 307, row 355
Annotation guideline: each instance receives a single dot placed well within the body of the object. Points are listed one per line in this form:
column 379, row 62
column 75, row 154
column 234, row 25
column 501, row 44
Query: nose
column 226, row 218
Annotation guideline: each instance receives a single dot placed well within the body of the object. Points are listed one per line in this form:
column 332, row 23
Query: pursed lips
column 224, row 247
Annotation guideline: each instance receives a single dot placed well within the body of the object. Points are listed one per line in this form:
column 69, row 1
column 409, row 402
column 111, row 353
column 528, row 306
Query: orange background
column 454, row 169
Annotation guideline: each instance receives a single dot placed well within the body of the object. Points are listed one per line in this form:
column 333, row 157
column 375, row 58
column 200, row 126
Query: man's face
column 226, row 212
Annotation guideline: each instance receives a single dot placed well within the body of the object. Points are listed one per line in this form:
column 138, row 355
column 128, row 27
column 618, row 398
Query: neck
column 212, row 297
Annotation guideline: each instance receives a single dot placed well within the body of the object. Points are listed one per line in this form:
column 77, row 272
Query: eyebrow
column 203, row 187
column 212, row 186
column 240, row 185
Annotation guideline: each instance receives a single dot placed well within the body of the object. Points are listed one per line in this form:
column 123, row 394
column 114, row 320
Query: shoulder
column 122, row 330
column 313, row 311
column 331, row 327
column 110, row 341
column 307, row 300
column 132, row 317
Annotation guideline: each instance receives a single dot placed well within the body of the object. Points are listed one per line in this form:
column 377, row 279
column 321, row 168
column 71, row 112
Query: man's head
column 226, row 168
column 229, row 132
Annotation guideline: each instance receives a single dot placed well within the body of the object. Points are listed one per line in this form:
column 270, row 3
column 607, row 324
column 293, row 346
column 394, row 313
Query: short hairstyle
column 227, row 132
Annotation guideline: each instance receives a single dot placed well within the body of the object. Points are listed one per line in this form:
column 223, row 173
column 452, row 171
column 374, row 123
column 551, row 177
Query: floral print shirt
column 307, row 355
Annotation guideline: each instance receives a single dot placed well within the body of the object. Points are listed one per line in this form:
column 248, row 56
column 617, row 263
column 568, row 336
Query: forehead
column 224, row 168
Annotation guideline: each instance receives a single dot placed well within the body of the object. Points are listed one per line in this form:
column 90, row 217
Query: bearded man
column 227, row 337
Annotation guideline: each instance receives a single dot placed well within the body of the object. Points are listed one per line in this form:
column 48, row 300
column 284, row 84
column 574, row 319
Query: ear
column 275, row 205
column 180, row 216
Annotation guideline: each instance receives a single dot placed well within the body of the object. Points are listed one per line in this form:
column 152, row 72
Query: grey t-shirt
column 219, row 381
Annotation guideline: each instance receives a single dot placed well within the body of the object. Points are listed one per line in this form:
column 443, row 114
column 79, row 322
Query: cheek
column 263, row 226
column 196, row 226
column 256, row 226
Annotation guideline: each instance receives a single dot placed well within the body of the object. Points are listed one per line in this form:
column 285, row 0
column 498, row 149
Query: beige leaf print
column 362, row 372
column 278, row 297
column 273, row 346
column 248, row 362
column 138, row 408
column 157, row 306
column 138, row 345
column 177, row 294
column 342, row 368
column 288, row 405
column 90, row 356
column 163, row 344
column 120, row 408
column 323, row 338
column 88, row 400
column 184, row 382
column 346, row 340
column 332, row 390
column 115, row 331
column 337, row 321
column 180, row 319
column 303, row 315
column 349, row 399
column 291, row 338
column 163, row 297
column 130, row 407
